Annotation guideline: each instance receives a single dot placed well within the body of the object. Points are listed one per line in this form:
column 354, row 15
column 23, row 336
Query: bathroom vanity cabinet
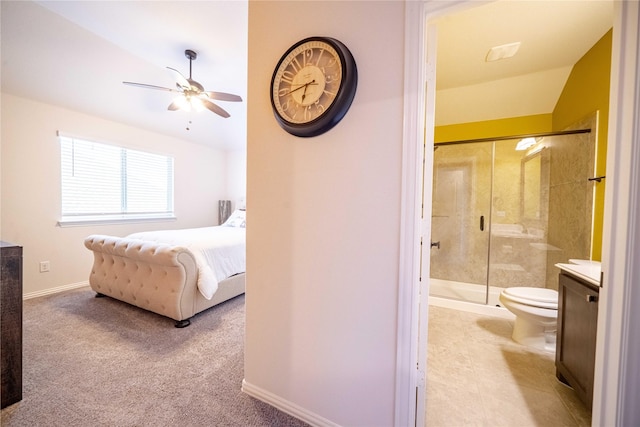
column 576, row 337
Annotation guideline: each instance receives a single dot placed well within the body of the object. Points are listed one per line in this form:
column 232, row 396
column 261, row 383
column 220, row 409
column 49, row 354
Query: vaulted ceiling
column 76, row 54
column 553, row 36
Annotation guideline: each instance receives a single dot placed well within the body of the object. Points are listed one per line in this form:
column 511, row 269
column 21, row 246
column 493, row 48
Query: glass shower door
column 460, row 222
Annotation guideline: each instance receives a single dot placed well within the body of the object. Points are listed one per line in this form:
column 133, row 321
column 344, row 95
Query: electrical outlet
column 44, row 266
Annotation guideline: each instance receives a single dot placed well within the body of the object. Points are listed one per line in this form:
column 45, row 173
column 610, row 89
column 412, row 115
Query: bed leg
column 183, row 323
column 99, row 295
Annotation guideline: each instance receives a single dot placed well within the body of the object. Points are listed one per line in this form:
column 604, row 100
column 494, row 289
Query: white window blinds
column 110, row 182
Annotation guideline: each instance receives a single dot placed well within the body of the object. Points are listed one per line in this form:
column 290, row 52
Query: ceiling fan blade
column 216, row 109
column 180, row 79
column 221, row 96
column 150, row 86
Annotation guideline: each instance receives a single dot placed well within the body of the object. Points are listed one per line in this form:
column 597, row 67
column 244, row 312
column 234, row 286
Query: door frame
column 616, row 382
column 618, row 343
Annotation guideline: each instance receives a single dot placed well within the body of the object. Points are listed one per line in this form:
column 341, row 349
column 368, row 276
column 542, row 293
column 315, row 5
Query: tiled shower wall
column 571, row 198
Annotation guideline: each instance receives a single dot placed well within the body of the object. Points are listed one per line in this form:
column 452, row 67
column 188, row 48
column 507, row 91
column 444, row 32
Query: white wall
column 30, row 187
column 237, row 177
column 323, row 222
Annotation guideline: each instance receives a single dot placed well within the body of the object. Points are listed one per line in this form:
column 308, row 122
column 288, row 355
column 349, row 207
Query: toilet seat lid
column 541, row 297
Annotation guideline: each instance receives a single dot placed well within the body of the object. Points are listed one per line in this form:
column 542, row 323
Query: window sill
column 80, row 221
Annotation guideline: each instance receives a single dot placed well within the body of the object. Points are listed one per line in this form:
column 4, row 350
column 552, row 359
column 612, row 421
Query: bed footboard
column 154, row 276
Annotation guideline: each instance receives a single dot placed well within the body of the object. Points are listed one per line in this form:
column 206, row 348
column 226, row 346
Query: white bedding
column 219, row 251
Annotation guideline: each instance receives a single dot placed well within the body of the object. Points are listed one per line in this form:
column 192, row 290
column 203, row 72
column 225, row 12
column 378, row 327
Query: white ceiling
column 76, row 54
column 553, row 34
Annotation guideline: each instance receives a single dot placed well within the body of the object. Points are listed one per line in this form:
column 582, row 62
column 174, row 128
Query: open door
column 618, row 347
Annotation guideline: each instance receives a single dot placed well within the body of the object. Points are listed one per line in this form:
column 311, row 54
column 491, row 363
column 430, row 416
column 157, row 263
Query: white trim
column 120, row 144
column 285, row 405
column 616, row 382
column 409, row 385
column 56, row 290
column 413, row 322
column 80, row 221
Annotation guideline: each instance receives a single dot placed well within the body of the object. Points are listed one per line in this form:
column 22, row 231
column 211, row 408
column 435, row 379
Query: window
column 102, row 182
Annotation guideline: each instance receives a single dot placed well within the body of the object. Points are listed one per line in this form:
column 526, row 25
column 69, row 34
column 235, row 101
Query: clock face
column 313, row 86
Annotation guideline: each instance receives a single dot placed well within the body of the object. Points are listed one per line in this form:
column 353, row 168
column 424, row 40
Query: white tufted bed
column 175, row 273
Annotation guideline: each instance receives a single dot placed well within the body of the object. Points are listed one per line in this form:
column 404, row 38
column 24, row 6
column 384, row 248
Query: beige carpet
column 99, row 362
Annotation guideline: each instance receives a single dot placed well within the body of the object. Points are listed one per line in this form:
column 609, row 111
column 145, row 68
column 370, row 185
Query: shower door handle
column 481, row 222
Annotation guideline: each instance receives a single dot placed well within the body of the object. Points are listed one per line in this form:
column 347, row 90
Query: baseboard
column 55, row 290
column 286, row 406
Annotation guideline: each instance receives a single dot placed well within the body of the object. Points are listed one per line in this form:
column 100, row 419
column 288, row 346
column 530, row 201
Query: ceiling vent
column 502, row 52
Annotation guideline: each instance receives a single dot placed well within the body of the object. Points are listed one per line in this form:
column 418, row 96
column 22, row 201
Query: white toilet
column 536, row 311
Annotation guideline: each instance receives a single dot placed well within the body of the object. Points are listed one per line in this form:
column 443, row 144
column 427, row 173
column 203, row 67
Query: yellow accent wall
column 494, row 128
column 586, row 91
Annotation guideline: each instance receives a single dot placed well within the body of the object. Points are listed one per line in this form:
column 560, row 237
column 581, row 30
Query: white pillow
column 236, row 219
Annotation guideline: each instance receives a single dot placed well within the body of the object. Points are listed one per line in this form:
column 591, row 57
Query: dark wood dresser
column 11, row 322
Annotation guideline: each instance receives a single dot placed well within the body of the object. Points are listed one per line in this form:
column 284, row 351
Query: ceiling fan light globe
column 182, row 103
column 196, row 104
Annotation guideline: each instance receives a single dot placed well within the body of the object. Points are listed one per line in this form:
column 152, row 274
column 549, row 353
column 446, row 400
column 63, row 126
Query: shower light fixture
column 525, row 143
column 502, row 52
column 536, row 150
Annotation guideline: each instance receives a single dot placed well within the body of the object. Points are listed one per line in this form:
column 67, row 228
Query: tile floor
column 478, row 376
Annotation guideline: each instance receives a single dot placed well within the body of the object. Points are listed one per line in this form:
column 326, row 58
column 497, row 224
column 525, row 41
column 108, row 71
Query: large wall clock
column 313, row 86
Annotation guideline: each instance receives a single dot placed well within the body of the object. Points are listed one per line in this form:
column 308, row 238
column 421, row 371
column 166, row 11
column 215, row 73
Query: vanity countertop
column 588, row 271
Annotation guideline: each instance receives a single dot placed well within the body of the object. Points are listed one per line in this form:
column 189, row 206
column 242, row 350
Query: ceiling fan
column 192, row 95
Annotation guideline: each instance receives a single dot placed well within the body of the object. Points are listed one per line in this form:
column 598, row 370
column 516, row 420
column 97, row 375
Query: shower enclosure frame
column 470, row 290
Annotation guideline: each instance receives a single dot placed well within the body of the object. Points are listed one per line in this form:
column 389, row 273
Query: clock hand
column 312, row 82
